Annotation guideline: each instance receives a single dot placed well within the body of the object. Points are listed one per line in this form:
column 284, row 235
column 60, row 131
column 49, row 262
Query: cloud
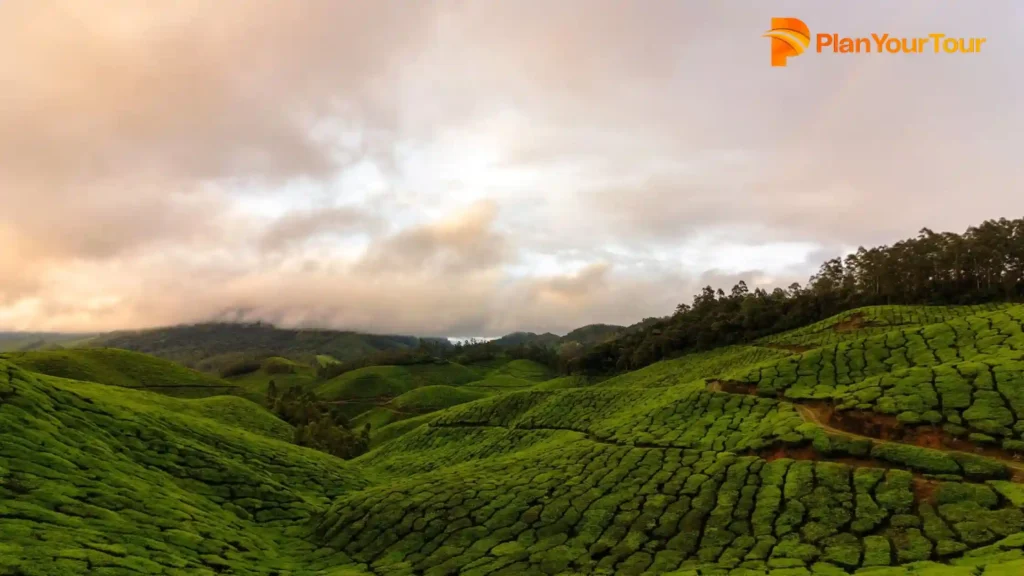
column 297, row 227
column 462, row 243
column 471, row 167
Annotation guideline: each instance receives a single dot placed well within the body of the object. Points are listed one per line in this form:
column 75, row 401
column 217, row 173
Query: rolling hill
column 586, row 335
column 381, row 395
column 206, row 346
column 884, row 440
column 121, row 368
column 24, row 341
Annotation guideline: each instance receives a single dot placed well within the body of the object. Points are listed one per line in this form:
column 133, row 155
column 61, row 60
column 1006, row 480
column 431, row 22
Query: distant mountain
column 207, row 346
column 594, row 333
column 26, row 341
column 525, row 338
column 586, row 335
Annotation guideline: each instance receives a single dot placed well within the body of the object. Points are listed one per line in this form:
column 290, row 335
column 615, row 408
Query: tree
column 271, row 394
column 983, row 264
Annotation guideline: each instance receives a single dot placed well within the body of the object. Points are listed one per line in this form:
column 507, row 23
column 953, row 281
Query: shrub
column 952, row 492
column 921, row 459
column 980, row 468
column 277, row 365
column 240, row 368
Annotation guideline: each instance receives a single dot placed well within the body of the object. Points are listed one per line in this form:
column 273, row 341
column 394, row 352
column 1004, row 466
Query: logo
column 790, row 37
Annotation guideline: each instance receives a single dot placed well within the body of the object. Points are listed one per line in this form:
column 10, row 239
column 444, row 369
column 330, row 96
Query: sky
column 473, row 168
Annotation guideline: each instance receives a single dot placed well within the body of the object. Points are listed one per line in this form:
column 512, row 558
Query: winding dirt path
column 809, row 414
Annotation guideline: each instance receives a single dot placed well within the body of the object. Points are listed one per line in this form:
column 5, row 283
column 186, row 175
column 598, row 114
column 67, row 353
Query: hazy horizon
column 466, row 168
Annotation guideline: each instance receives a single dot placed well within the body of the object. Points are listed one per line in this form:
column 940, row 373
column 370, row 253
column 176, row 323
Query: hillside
column 284, row 373
column 207, row 346
column 884, row 437
column 527, row 338
column 983, row 265
column 24, row 341
column 380, row 395
column 586, row 335
column 593, row 334
column 121, row 368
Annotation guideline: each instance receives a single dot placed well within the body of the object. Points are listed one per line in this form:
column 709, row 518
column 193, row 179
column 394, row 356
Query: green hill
column 431, row 398
column 589, row 334
column 884, row 441
column 523, row 370
column 121, row 368
column 237, row 412
column 208, row 346
column 283, row 372
column 527, row 338
column 390, row 381
column 26, row 341
column 593, row 333
column 105, row 480
column 380, row 395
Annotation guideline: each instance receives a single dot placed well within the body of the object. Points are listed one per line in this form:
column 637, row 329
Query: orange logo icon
column 790, row 37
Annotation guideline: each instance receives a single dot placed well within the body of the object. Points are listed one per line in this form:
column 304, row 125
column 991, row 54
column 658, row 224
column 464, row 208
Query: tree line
column 319, row 425
column 434, row 352
column 984, row 264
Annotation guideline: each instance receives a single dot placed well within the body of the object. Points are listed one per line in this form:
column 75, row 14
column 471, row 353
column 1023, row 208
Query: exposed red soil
column 887, row 427
column 924, row 489
column 796, row 453
column 873, row 426
column 923, row 485
column 854, row 322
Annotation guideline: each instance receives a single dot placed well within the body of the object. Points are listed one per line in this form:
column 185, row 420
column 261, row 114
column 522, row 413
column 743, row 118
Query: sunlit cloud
column 468, row 168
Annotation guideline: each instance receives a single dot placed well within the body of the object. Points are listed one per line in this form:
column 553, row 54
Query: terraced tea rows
column 872, row 320
column 679, row 417
column 92, row 483
column 721, row 363
column 548, row 502
column 121, row 368
column 646, row 473
column 965, row 375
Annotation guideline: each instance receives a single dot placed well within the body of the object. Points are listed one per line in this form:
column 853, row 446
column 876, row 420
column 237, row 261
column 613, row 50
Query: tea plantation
column 881, row 441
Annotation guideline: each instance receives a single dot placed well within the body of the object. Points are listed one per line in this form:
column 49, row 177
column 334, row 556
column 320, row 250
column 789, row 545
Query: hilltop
column 121, row 368
column 23, row 341
column 586, row 335
column 214, row 345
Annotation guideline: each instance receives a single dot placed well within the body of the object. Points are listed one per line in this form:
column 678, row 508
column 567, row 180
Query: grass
column 377, row 417
column 254, row 384
column 647, row 473
column 120, row 368
column 398, row 428
column 391, row 381
column 523, row 370
column 240, row 413
column 326, row 360
column 502, row 381
column 431, row 398
column 562, row 383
